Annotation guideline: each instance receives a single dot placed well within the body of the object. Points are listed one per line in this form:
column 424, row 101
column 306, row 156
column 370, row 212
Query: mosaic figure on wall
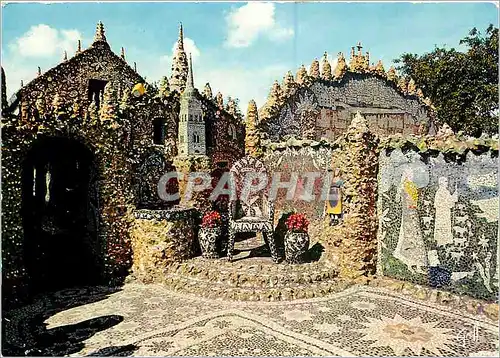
column 444, row 201
column 410, row 248
column 456, row 208
column 334, row 202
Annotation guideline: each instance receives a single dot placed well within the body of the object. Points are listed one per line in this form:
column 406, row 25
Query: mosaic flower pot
column 208, row 242
column 296, row 245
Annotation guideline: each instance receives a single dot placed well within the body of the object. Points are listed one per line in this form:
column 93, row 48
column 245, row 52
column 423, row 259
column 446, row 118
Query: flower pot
column 296, row 245
column 208, row 241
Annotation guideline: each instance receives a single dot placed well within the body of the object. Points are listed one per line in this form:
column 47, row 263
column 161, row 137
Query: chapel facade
column 321, row 103
column 84, row 144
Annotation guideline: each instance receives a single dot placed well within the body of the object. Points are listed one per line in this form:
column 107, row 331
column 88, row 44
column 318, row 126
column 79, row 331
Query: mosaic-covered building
column 86, row 142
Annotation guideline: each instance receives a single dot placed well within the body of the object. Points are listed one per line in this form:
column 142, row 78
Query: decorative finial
column 39, row 73
column 135, row 67
column 359, row 123
column 79, row 47
column 122, row 55
column 65, row 58
column 99, row 33
column 180, row 40
column 22, row 84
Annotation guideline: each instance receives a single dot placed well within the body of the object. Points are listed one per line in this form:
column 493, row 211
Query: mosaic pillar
column 159, row 239
column 355, row 239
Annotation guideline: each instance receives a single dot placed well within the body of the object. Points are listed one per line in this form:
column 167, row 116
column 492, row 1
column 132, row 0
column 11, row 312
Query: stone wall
column 438, row 216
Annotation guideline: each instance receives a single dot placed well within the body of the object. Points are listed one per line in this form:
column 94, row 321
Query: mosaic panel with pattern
column 149, row 320
column 438, row 221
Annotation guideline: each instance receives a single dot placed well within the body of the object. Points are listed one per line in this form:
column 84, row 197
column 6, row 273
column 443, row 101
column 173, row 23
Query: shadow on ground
column 25, row 333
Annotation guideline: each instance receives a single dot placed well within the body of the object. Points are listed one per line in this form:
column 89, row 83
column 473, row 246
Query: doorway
column 60, row 215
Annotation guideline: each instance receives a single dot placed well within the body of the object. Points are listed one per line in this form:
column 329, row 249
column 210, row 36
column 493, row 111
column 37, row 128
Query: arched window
column 159, row 131
column 196, row 138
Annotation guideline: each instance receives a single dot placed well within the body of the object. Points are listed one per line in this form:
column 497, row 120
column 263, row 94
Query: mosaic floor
column 149, row 320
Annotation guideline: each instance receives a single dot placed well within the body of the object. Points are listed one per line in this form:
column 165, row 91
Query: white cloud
column 248, row 22
column 44, row 41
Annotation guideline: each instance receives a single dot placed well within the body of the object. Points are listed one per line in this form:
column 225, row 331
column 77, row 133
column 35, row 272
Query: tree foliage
column 463, row 85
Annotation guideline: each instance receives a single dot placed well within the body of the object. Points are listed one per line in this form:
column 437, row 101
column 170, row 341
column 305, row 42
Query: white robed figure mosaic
column 444, row 201
column 410, row 248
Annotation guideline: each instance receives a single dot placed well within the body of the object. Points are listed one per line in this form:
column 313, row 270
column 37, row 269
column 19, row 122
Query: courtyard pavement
column 150, row 320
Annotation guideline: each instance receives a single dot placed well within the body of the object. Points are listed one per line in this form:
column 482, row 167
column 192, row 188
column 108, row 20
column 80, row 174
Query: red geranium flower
column 211, row 219
column 297, row 222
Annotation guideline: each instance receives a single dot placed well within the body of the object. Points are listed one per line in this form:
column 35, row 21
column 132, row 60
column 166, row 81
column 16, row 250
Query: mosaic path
column 149, row 320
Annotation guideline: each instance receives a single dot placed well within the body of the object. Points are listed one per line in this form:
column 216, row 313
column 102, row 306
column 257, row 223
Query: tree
column 462, row 85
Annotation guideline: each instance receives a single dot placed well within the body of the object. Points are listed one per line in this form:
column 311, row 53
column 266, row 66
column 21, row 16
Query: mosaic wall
column 225, row 133
column 299, row 160
column 438, row 220
column 325, row 109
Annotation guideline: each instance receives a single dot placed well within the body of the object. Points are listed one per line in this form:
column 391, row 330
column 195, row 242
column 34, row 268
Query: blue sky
column 240, row 48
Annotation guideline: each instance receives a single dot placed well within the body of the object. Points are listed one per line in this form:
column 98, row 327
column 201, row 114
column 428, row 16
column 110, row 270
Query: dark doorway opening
column 60, row 215
column 159, row 131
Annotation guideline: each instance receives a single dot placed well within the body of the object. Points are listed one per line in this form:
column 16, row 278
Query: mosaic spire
column 79, row 47
column 219, row 99
column 207, row 91
column 65, row 57
column 99, row 33
column 341, row 67
column 326, row 68
column 164, row 88
column 190, row 79
column 179, row 65
column 314, row 69
column 288, row 85
column 379, row 68
column 301, row 75
column 391, row 74
column 39, row 72
column 122, row 55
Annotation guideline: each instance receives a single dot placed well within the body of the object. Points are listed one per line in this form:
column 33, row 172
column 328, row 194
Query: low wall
column 438, row 218
column 161, row 238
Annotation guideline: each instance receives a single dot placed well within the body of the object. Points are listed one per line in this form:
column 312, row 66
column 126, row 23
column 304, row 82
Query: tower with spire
column 191, row 137
column 179, row 65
